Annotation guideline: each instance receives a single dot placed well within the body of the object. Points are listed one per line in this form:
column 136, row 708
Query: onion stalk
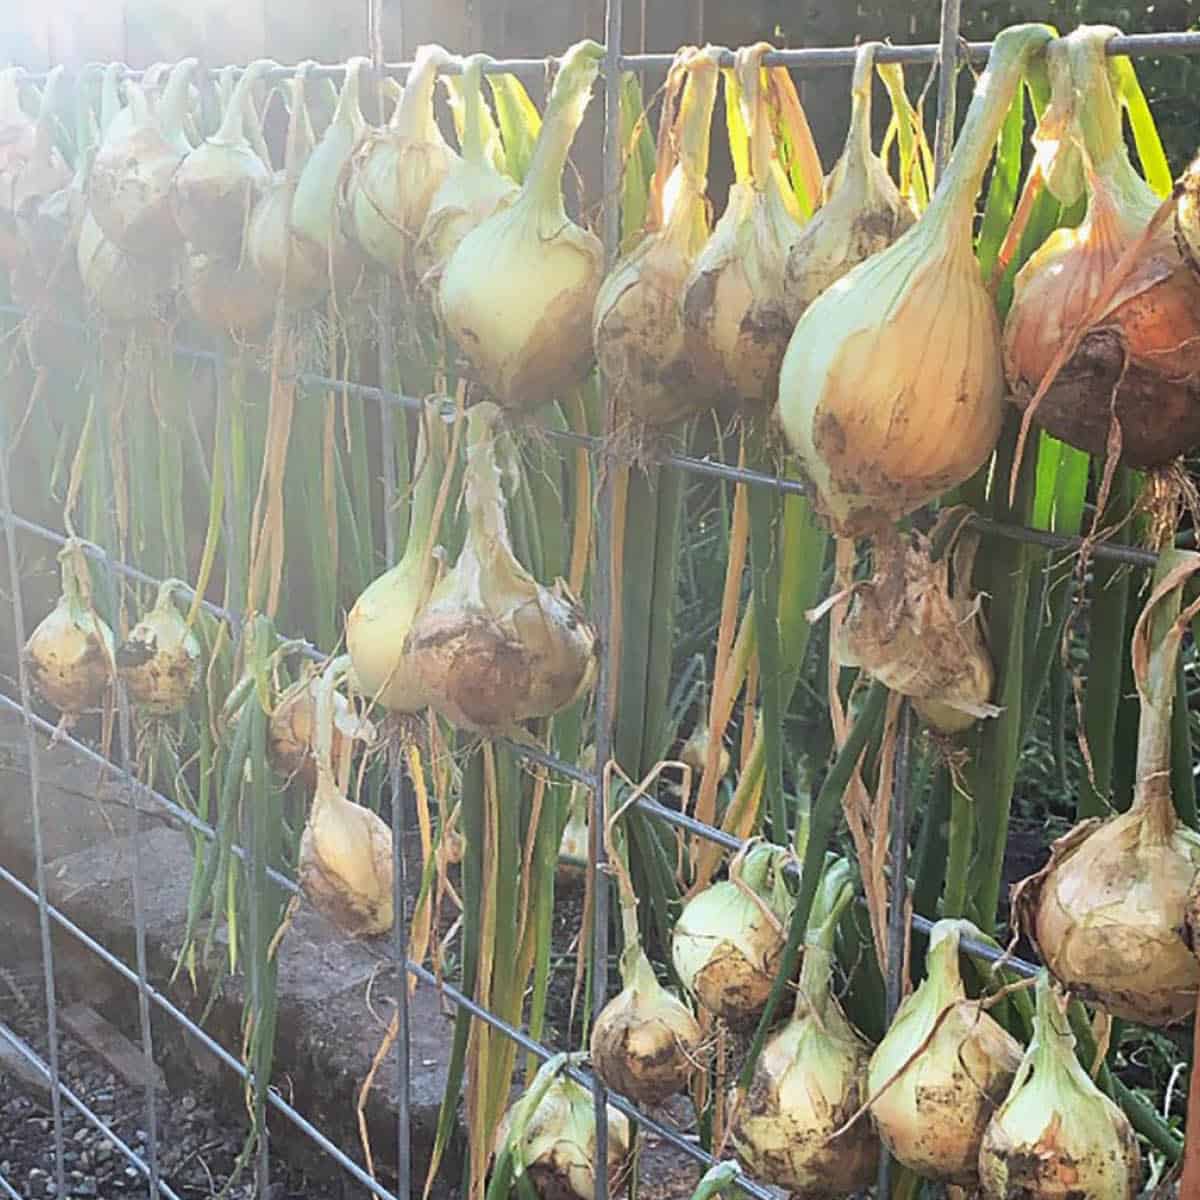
column 892, row 389
column 729, row 939
column 863, row 211
column 638, row 326
column 941, row 1070
column 1107, row 912
column 378, row 624
column 517, row 294
column 159, row 661
column 69, row 655
column 733, row 302
column 811, row 1078
column 398, row 169
column 1139, row 360
column 1057, row 1135
column 493, row 647
column 475, row 185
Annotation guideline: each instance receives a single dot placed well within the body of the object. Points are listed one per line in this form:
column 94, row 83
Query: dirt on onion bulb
column 1056, row 1135
column 729, row 939
column 493, row 647
column 1108, row 912
column 811, row 1079
column 69, row 655
column 941, row 1070
column 159, row 661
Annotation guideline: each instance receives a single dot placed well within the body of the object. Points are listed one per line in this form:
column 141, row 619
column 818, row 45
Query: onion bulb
column 1187, row 216
column 729, row 939
column 646, row 1043
column 941, row 1070
column 226, row 293
column 517, row 294
column 918, row 632
column 1139, row 360
column 120, row 285
column 1057, row 1135
column 549, row 1136
column 637, row 326
column 863, row 211
column 292, row 731
column 811, row 1079
column 345, row 863
column 398, row 169
column 733, row 302
column 69, row 655
column 475, row 185
column 574, row 847
column 159, row 661
column 892, row 389
column 695, row 752
column 1107, row 912
column 379, row 622
column 129, row 189
column 493, row 647
column 217, row 185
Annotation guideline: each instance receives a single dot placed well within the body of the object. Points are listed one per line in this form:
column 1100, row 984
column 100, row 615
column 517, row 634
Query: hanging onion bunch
column 811, row 1078
column 378, row 624
column 915, row 627
column 474, row 185
column 638, row 327
column 549, row 1136
column 733, row 304
column 892, row 389
column 292, row 732
column 129, row 189
column 1057, row 1135
column 1139, row 359
column 517, row 295
column 159, row 661
column 646, row 1044
column 863, row 211
column 398, row 169
column 345, row 864
column 69, row 655
column 493, row 647
column 1107, row 913
column 729, row 939
column 941, row 1070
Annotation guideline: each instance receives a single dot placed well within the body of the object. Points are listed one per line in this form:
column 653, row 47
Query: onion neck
column 954, row 199
column 486, row 509
column 748, row 70
column 858, row 139
column 693, row 125
column 564, row 114
column 300, row 132
column 431, row 462
column 171, row 110
column 413, row 118
column 1052, row 1049
column 833, row 895
column 943, row 979
column 232, row 131
column 474, row 140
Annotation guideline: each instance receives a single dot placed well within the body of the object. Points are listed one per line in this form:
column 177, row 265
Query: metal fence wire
column 143, row 800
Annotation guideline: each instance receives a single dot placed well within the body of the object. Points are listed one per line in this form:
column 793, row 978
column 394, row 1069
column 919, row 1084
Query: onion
column 811, row 1079
column 517, row 294
column 1108, row 911
column 382, row 616
column 398, row 169
column 218, row 183
column 892, row 389
column 1187, row 215
column 474, row 186
column 550, row 1137
column 863, row 211
column 1057, row 1135
column 69, row 655
column 345, row 864
column 1139, row 360
column 733, row 301
column 129, row 190
column 645, row 1043
column 932, row 1096
column 637, row 326
column 120, row 285
column 226, row 294
column 160, row 659
column 915, row 632
column 729, row 939
column 493, row 647
column 695, row 752
column 17, row 137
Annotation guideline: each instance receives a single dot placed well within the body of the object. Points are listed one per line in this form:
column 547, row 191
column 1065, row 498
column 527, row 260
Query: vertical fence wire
column 39, row 850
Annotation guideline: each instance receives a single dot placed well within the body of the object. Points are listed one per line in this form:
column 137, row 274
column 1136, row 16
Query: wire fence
column 144, row 801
